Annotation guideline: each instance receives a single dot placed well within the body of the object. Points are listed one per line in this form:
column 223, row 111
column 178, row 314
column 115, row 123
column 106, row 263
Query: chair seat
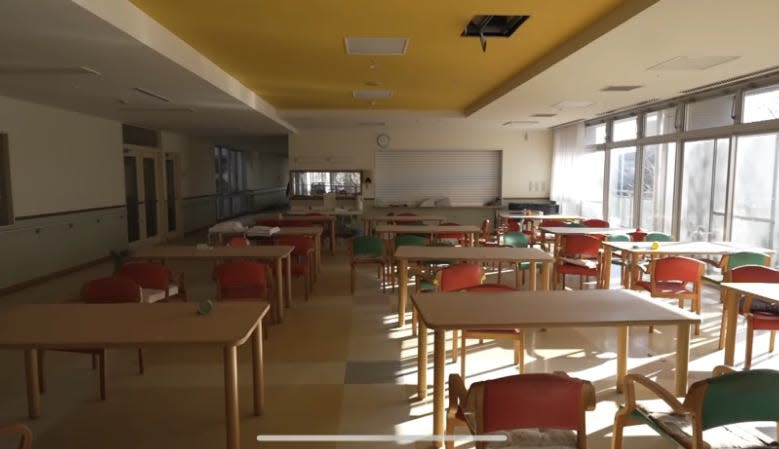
column 713, row 278
column 535, row 439
column 586, row 263
column 150, row 295
column 678, row 426
column 765, row 321
column 568, row 268
column 665, row 288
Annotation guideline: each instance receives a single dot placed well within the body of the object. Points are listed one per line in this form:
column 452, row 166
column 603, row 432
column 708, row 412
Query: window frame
column 6, row 197
column 298, row 196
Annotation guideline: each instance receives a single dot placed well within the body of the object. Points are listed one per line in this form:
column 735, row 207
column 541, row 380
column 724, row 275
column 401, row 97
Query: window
column 704, row 188
column 710, row 113
column 660, row 123
column 345, row 184
column 591, row 186
column 595, row 134
column 6, row 211
column 761, row 104
column 622, row 181
column 657, row 187
column 625, row 129
column 466, row 178
column 230, row 182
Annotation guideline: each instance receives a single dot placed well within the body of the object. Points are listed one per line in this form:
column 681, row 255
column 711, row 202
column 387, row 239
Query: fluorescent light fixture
column 573, row 104
column 152, row 94
column 158, row 109
column 376, row 46
column 692, row 62
column 621, row 88
column 519, row 123
column 40, row 70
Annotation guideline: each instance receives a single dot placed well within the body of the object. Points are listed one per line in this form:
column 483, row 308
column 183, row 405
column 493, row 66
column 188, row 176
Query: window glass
column 754, row 188
column 595, row 134
column 625, row 129
column 704, row 183
column 622, row 177
column 761, row 104
column 657, row 187
column 230, row 182
column 710, row 113
column 592, row 184
column 659, row 123
column 317, row 183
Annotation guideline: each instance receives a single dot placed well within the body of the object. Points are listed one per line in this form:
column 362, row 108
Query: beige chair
column 24, row 433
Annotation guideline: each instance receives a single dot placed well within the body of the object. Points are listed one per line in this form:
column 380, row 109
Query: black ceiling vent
column 492, row 26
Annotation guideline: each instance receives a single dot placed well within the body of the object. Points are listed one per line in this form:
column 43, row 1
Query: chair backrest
column 270, row 222
column 515, row 239
column 618, row 238
column 754, row 273
column 238, row 241
column 742, row 396
column 410, row 240
column 676, row 268
column 485, row 227
column 241, row 279
column 303, row 244
column 596, row 223
column 146, row 274
column 658, row 237
column 459, row 276
column 538, row 400
column 513, row 226
column 367, row 245
column 489, row 288
column 731, row 261
column 551, row 224
column 111, row 290
column 580, row 246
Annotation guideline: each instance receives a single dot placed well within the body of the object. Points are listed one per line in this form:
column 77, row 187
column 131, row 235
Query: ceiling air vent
column 543, row 114
column 692, row 62
column 372, row 94
column 519, row 123
column 376, row 46
column 771, row 71
column 620, row 88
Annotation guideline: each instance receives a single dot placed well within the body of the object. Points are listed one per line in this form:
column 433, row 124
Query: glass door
column 143, row 196
column 704, row 190
column 172, row 200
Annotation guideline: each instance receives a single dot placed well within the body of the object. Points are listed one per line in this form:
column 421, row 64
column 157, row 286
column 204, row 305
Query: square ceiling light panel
column 376, row 46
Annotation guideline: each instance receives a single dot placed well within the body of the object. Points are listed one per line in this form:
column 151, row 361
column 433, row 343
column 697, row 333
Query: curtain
column 568, row 148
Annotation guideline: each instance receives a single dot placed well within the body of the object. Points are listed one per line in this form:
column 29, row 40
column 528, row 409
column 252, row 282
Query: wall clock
column 383, row 140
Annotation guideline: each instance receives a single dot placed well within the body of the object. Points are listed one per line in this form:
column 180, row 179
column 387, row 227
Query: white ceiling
column 54, row 34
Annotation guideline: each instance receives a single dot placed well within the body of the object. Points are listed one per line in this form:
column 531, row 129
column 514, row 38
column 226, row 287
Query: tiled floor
column 337, row 365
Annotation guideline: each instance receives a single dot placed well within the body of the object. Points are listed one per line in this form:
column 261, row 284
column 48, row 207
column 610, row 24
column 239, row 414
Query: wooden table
column 542, row 309
column 279, row 255
column 534, row 219
column 633, row 251
column 368, row 222
column 477, row 253
column 327, row 221
column 763, row 290
column 312, row 231
column 469, row 230
column 230, row 324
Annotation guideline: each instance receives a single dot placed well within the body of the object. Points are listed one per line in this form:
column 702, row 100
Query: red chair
column 760, row 314
column 303, row 260
column 20, row 430
column 542, row 238
column 156, row 280
column 272, row 222
column 493, row 334
column 458, row 238
column 596, row 223
column 241, row 280
column 676, row 277
column 238, row 241
column 487, row 237
column 114, row 289
column 532, row 410
column 578, row 255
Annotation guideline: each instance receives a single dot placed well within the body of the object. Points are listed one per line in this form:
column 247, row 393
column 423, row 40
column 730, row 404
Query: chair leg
column 454, row 346
column 414, row 324
column 463, row 353
column 101, row 362
column 519, row 352
column 616, row 434
column 722, row 330
column 41, row 377
column 750, row 336
column 141, row 367
column 771, row 342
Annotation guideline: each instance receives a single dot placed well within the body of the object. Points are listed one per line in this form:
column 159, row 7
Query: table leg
column 546, row 270
column 33, row 387
column 635, row 272
column 682, row 356
column 606, row 268
column 288, row 286
column 257, row 370
column 422, row 361
column 231, row 396
column 318, row 249
column 402, row 290
column 622, row 356
column 439, row 354
column 731, row 319
column 278, row 300
column 532, row 274
column 332, row 236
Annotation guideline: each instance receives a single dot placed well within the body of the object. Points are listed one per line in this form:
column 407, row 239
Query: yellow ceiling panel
column 291, row 52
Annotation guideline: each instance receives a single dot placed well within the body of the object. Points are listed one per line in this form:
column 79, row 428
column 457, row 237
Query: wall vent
column 620, row 88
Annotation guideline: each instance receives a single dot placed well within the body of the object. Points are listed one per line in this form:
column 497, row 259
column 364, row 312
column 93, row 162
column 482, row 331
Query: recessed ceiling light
column 379, row 46
column 620, row 88
column 372, row 94
column 692, row 62
column 573, row 104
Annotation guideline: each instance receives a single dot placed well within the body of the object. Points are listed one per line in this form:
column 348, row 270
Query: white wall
column 527, row 156
column 61, row 160
column 196, row 162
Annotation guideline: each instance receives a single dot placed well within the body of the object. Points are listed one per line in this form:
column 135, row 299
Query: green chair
column 658, row 237
column 515, row 240
column 367, row 250
column 735, row 260
column 616, row 258
column 719, row 405
column 406, row 240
